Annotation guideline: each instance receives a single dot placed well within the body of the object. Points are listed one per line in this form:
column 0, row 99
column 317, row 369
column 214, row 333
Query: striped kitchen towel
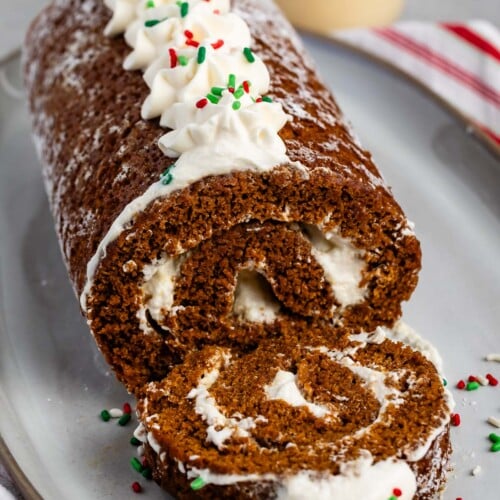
column 459, row 63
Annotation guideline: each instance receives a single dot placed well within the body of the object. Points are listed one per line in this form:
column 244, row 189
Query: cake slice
column 323, row 414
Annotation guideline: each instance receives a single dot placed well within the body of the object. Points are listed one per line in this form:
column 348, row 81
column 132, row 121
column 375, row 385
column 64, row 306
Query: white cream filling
column 358, row 480
column 253, row 300
column 372, row 380
column 158, row 289
column 406, row 335
column 342, row 263
column 220, row 428
column 284, row 387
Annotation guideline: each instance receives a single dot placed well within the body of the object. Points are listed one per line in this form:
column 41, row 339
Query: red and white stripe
column 458, row 62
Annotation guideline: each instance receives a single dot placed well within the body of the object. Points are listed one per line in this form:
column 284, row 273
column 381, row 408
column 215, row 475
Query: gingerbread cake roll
column 204, row 183
column 322, row 414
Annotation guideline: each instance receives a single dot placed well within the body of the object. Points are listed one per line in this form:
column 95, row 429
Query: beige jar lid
column 323, row 16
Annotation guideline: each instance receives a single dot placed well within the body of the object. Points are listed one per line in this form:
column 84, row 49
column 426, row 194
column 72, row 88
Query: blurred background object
column 323, row 16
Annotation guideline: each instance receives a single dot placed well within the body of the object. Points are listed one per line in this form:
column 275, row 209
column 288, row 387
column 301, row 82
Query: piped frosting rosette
column 321, row 415
column 196, row 202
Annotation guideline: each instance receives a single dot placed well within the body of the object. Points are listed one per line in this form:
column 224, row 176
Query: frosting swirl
column 251, row 131
column 205, row 83
column 187, row 83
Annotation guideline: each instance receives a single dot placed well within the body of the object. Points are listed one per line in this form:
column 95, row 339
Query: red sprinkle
column 455, row 419
column 231, row 89
column 192, row 43
column 144, row 462
column 397, row 492
column 127, row 408
column 491, row 379
column 189, row 34
column 461, row 384
column 246, row 86
column 173, row 58
column 259, row 99
column 202, row 103
column 218, row 44
column 217, row 11
column 472, row 378
column 136, row 487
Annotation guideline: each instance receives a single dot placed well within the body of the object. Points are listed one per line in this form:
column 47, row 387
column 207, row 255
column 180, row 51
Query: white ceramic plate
column 53, row 382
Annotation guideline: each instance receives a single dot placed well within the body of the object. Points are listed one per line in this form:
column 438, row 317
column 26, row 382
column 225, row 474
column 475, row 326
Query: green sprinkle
column 134, row 441
column 236, row 105
column 183, row 60
column 217, row 91
column 150, row 4
column 239, row 93
column 494, row 438
column 136, row 464
column 124, row 419
column 197, row 484
column 392, row 497
column 247, row 51
column 178, row 3
column 167, row 170
column 202, row 54
column 495, row 447
column 184, row 9
column 105, row 415
column 213, row 98
column 167, row 179
column 232, row 81
column 472, row 386
column 445, row 382
column 147, row 473
column 266, row 98
column 151, row 23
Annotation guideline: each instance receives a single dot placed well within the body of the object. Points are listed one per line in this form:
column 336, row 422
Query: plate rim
column 17, row 475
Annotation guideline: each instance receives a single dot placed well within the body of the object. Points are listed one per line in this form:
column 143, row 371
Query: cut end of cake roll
column 322, row 413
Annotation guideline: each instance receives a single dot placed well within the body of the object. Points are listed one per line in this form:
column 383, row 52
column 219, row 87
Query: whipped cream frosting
column 205, row 82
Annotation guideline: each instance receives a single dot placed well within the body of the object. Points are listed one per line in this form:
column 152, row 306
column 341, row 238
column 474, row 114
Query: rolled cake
column 200, row 198
column 323, row 414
